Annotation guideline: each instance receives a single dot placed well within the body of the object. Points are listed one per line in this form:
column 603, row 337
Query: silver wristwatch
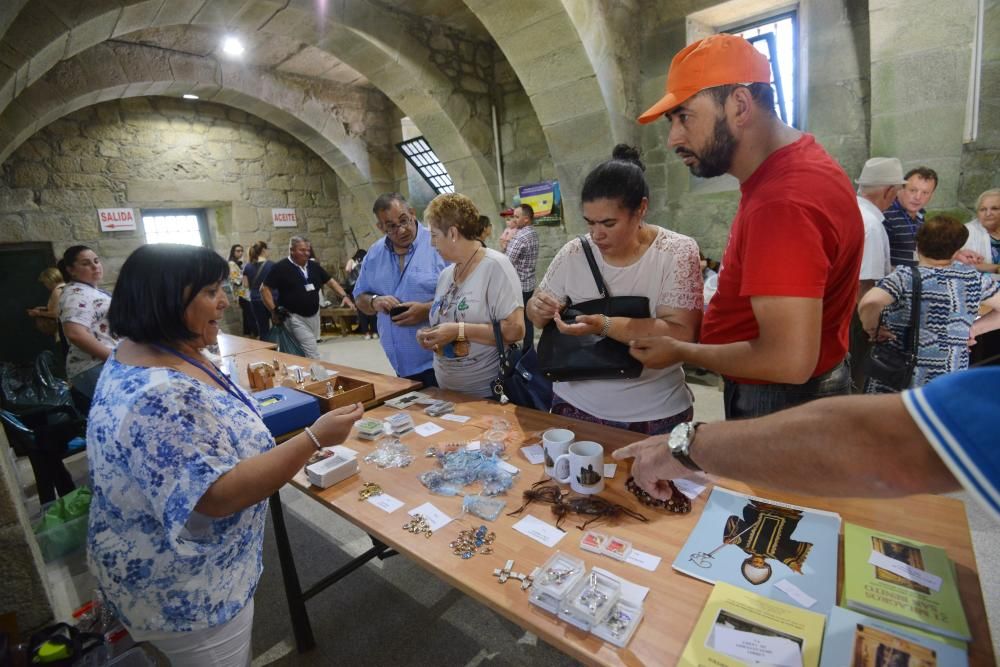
column 680, row 441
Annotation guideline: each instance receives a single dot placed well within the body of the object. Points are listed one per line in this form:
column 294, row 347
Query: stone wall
column 981, row 158
column 163, row 152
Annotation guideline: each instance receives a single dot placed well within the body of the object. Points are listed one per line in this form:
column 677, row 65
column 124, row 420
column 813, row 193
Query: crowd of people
column 181, row 462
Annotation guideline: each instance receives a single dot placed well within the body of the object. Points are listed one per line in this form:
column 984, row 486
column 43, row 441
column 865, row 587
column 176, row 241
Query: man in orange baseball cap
column 777, row 328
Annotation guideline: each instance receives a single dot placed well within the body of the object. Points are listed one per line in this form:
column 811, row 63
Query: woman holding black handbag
column 644, row 270
column 950, row 294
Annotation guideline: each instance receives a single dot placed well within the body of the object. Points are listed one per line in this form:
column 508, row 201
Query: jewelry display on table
column 390, row 453
column 592, row 597
column 471, row 542
column 418, row 526
column 678, row 503
column 563, row 503
column 369, row 490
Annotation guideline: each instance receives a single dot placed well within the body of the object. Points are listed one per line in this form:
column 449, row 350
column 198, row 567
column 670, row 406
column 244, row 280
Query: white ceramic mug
column 582, row 467
column 555, row 442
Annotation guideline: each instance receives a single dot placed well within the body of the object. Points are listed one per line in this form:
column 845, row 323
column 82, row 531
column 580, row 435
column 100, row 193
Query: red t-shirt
column 797, row 232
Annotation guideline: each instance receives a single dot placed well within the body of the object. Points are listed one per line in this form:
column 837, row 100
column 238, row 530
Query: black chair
column 42, row 436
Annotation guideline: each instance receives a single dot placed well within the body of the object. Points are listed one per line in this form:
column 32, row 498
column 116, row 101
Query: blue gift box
column 285, row 410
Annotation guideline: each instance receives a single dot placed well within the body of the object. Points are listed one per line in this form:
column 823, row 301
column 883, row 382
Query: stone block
column 79, row 181
column 568, row 100
column 837, row 107
column 564, row 138
column 943, row 80
column 30, row 175
column 555, row 67
column 505, row 18
column 65, row 199
column 922, row 26
column 13, row 231
column 915, row 135
column 21, row 571
column 98, row 28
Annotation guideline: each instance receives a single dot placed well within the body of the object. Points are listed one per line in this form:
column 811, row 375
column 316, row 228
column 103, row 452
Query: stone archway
column 361, row 35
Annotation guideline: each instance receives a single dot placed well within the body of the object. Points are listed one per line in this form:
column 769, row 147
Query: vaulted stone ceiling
column 60, row 55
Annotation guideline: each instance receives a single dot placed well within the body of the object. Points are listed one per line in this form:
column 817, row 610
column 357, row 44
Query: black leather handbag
column 893, row 366
column 518, row 380
column 563, row 358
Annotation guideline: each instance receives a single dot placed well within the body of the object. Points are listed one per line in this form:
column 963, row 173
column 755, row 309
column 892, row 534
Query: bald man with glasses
column 397, row 281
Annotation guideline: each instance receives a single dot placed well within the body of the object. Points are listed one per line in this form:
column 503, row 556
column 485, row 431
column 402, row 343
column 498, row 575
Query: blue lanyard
column 228, row 386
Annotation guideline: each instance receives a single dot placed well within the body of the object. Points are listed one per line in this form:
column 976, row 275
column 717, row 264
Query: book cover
column 738, row 627
column 784, row 552
column 855, row 640
column 902, row 580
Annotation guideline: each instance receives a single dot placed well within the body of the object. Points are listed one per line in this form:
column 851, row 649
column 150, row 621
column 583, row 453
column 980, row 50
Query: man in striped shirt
column 904, row 217
column 522, row 251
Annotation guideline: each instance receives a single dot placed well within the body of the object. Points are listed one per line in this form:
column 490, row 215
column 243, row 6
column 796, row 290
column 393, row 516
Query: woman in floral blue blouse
column 181, row 464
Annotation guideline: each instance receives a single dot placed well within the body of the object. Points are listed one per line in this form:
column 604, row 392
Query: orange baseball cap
column 714, row 61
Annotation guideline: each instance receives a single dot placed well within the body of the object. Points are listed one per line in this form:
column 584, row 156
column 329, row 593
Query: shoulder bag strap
column 262, row 273
column 601, row 287
column 912, row 339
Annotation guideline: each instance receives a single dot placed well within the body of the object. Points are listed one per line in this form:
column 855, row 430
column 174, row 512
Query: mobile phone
column 398, row 310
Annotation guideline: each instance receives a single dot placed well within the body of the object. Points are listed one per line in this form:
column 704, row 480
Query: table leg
column 304, row 640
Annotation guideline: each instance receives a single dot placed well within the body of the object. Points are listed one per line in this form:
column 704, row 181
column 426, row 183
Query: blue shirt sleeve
column 957, row 413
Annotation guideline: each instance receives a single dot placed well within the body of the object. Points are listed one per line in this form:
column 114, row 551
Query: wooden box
column 355, row 391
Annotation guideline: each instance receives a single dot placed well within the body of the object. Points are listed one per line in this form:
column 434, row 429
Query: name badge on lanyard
column 310, row 287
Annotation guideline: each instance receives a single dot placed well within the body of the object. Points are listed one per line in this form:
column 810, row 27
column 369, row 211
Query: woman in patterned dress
column 83, row 313
column 951, row 294
column 181, row 464
column 635, row 259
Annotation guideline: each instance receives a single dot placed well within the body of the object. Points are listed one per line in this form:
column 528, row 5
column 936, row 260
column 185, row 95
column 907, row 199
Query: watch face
column 680, row 438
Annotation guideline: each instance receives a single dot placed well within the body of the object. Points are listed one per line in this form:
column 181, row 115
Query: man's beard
column 717, row 157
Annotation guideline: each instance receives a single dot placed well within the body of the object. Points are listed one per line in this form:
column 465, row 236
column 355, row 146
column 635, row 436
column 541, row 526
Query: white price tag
column 644, row 560
column 609, row 470
column 931, row 581
column 633, row 593
column 385, row 502
column 690, row 489
column 428, row 429
column 461, row 419
column 796, row 593
column 539, row 531
column 512, row 469
column 474, row 446
column 753, row 648
column 436, row 519
column 534, row 454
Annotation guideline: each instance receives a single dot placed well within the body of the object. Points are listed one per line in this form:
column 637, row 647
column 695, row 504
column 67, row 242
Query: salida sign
column 116, row 219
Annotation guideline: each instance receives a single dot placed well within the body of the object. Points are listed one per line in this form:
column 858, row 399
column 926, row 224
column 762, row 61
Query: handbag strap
column 911, row 336
column 602, row 289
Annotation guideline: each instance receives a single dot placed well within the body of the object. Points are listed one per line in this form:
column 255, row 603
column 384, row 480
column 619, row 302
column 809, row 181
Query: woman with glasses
column 479, row 288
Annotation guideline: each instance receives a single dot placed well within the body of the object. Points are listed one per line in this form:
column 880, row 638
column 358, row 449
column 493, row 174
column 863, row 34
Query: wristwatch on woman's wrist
column 461, row 332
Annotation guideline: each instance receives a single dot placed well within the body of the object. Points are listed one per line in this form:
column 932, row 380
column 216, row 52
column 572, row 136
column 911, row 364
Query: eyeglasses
column 394, row 228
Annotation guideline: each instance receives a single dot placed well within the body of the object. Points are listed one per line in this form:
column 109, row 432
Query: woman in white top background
column 83, row 313
column 635, row 259
column 982, row 249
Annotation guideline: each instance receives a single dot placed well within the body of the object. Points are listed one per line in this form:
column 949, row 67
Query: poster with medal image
column 783, row 552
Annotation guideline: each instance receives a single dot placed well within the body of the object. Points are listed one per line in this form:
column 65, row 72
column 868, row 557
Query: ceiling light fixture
column 190, row 96
column 232, row 46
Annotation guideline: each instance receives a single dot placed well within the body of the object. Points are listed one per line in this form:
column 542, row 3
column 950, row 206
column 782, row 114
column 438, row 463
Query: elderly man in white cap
column 880, row 180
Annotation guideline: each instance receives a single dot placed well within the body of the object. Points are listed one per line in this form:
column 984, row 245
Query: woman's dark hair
column 941, row 236
column 232, row 254
column 256, row 249
column 69, row 259
column 156, row 285
column 359, row 254
column 619, row 178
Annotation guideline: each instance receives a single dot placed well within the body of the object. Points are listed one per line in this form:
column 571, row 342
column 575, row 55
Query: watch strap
column 685, row 459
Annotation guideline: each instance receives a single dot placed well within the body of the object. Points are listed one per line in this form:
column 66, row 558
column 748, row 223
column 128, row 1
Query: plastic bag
column 73, row 505
column 285, row 340
column 26, row 387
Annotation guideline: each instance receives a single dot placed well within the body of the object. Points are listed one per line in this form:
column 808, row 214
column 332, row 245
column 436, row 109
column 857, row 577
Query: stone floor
column 389, row 609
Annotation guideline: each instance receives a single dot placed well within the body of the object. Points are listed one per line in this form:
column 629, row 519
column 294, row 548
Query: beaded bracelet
column 312, row 437
column 678, row 502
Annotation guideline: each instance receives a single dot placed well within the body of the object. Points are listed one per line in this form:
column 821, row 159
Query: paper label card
column 539, row 531
column 690, row 489
column 428, row 429
column 633, row 593
column 503, row 465
column 474, row 446
column 796, row 593
column 461, row 419
column 534, row 454
column 644, row 560
column 385, row 502
column 609, row 470
column 931, row 581
column 436, row 519
column 754, row 648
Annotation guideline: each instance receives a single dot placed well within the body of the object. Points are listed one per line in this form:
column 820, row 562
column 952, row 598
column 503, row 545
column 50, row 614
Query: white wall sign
column 284, row 217
column 116, row 219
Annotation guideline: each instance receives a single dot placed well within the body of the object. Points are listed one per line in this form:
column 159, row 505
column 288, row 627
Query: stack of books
column 774, row 567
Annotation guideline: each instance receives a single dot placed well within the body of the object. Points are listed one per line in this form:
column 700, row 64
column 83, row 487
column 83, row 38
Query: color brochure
column 920, row 589
column 855, row 640
column 738, row 627
column 783, row 552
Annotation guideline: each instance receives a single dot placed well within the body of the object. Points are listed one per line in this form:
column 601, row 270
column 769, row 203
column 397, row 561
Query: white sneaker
column 368, row 336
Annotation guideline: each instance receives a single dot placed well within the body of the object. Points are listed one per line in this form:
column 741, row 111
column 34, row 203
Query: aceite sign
column 116, row 219
column 284, row 217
